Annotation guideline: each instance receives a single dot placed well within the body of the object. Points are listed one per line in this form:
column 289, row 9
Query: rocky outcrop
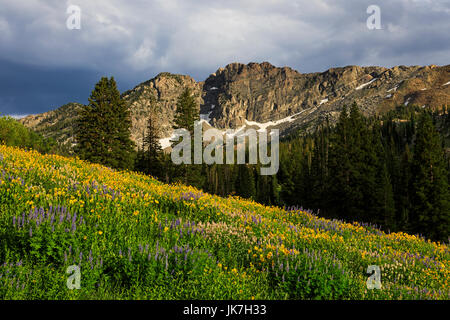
column 58, row 124
column 164, row 89
column 262, row 95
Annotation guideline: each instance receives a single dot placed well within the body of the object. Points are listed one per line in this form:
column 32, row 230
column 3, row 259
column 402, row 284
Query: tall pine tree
column 103, row 129
column 150, row 158
column 430, row 196
column 186, row 114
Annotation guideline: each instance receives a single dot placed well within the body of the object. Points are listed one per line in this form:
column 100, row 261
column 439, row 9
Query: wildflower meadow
column 133, row 237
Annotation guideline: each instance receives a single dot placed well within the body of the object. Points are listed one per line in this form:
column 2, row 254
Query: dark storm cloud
column 44, row 65
column 28, row 89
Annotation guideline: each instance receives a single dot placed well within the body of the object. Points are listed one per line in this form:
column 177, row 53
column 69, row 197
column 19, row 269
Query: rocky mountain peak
column 261, row 94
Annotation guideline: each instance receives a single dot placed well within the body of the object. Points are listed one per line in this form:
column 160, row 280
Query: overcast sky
column 44, row 65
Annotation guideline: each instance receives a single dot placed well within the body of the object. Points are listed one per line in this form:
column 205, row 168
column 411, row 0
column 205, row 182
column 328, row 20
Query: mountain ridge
column 260, row 94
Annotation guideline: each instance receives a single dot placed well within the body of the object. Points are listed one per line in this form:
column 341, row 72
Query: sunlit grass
column 137, row 238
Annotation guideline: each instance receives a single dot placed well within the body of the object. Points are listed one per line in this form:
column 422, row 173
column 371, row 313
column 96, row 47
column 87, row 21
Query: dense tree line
column 389, row 170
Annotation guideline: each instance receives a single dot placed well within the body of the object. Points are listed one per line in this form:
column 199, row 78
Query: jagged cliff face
column 165, row 89
column 262, row 95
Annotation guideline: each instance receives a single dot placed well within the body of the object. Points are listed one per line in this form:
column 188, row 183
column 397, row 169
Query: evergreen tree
column 354, row 183
column 152, row 153
column 383, row 207
column 339, row 193
column 103, row 129
column 186, row 114
column 245, row 183
column 430, row 190
column 403, row 191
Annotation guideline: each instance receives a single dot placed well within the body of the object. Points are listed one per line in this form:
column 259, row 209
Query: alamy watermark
column 374, row 20
column 374, row 281
column 74, row 19
column 74, row 280
column 214, row 151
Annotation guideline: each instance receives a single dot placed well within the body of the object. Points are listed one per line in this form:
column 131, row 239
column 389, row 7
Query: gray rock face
column 165, row 89
column 261, row 93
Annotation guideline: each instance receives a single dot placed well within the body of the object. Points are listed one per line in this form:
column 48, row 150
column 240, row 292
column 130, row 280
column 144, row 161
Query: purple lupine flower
column 81, row 256
column 31, row 232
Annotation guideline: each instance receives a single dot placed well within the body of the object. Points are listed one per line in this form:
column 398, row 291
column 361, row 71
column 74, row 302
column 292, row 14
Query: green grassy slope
column 136, row 238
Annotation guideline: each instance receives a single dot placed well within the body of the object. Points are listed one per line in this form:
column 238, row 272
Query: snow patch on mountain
column 18, row 116
column 393, row 89
column 366, row 84
column 206, row 117
column 263, row 126
column 165, row 143
column 323, row 101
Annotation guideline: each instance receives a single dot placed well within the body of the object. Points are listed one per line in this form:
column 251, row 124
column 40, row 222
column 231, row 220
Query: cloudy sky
column 43, row 64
